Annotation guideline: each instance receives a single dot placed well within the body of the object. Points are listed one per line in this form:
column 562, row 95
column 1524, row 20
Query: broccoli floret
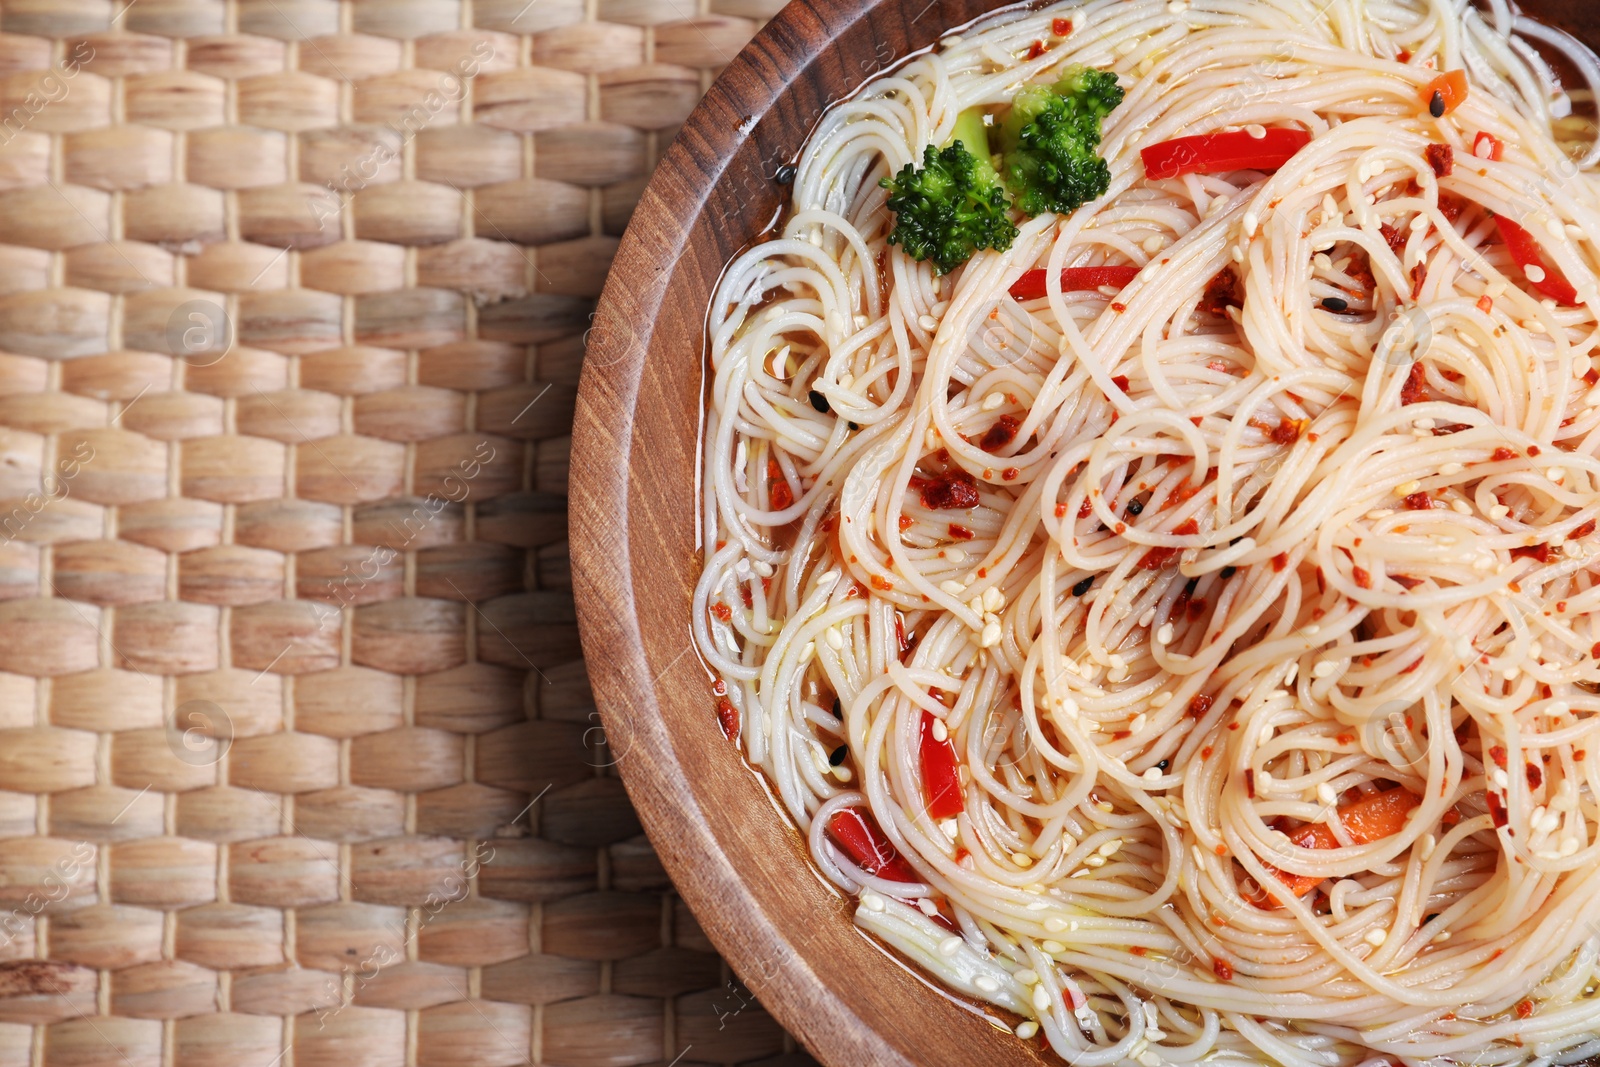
column 954, row 204
column 1049, row 141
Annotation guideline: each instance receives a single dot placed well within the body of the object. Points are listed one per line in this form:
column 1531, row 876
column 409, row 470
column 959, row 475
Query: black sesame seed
column 1428, row 918
column 785, row 175
column 1083, row 586
column 837, row 756
column 819, row 401
column 1135, row 507
column 1163, row 765
column 1335, row 303
column 1436, row 105
column 852, row 425
column 838, row 712
column 1229, row 572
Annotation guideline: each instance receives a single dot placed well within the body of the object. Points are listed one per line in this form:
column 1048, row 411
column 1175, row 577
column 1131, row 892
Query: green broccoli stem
column 971, row 132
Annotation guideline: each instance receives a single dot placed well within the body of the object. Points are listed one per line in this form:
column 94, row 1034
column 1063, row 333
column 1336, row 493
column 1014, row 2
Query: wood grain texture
column 736, row 859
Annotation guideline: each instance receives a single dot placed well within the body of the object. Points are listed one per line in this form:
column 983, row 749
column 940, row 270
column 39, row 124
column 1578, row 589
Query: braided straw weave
column 292, row 295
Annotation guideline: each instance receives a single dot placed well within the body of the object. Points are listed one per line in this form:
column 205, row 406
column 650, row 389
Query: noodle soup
column 1151, row 492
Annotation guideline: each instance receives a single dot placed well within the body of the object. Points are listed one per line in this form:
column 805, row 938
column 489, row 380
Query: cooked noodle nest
column 1227, row 574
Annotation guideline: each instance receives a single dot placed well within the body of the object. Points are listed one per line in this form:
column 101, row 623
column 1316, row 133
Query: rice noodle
column 1360, row 553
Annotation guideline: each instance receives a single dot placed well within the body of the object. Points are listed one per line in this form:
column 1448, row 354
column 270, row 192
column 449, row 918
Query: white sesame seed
column 1380, row 513
column 1148, row 617
column 1041, row 998
column 1553, row 473
column 975, row 605
column 1055, row 924
column 992, row 401
column 1152, row 774
column 1451, row 468
column 1427, row 845
column 928, row 322
column 950, row 827
column 1052, row 947
column 1326, row 794
column 834, row 637
column 1460, row 507
column 987, row 984
column 1497, row 777
column 1139, row 722
column 1110, row 847
column 1095, row 861
column 1534, row 272
column 1161, row 700
column 843, row 773
column 1165, row 634
column 927, row 907
column 1152, row 244
column 871, row 901
column 1178, row 7
column 990, row 636
column 1376, row 936
column 1027, row 976
column 1498, row 511
column 1147, row 1058
column 993, row 599
column 1290, row 674
column 952, row 587
column 1569, row 845
column 940, row 731
column 1022, row 859
column 1407, row 488
column 1442, row 938
column 949, row 946
column 1238, row 254
column 1026, row 1029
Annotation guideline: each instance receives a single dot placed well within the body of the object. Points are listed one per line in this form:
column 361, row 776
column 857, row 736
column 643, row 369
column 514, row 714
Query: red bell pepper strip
column 1373, row 817
column 858, row 833
column 1488, row 146
column 1218, row 153
column 941, row 775
column 1451, row 89
column 1031, row 286
column 1525, row 250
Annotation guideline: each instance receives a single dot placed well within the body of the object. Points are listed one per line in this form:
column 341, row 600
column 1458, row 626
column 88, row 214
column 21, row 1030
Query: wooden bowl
column 734, row 856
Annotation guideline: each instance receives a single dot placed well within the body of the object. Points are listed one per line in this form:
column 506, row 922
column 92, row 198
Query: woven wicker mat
column 298, row 763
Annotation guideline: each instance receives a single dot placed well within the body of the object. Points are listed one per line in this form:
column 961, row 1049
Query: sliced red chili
column 1219, row 153
column 1445, row 93
column 1525, row 250
column 1031, row 286
column 858, row 834
column 941, row 774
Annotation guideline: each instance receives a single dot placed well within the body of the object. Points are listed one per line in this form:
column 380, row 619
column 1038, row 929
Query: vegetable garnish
column 1373, row 817
column 1218, row 153
column 953, row 205
column 1445, row 93
column 1524, row 249
column 1488, row 146
column 1049, row 140
column 941, row 774
column 1031, row 286
column 858, row 834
